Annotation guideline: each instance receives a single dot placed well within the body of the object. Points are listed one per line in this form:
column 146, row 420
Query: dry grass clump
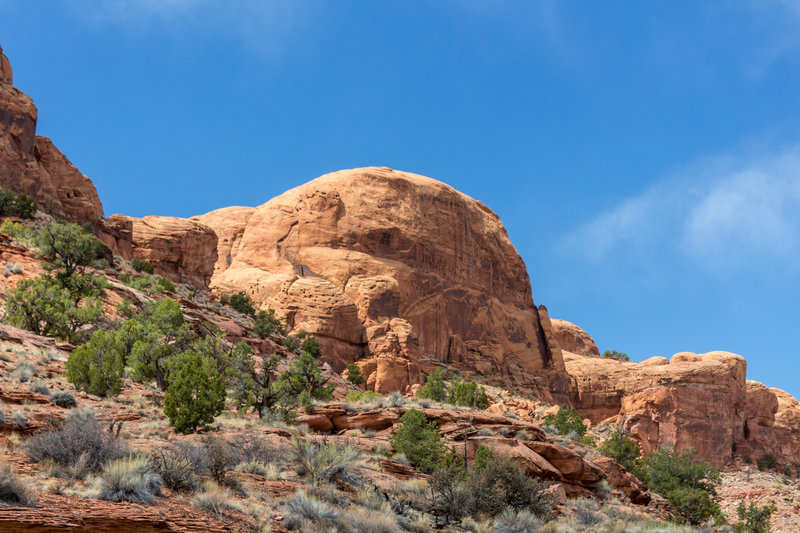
column 363, row 520
column 63, row 399
column 306, row 512
column 13, row 491
column 322, row 461
column 215, row 500
column 130, row 480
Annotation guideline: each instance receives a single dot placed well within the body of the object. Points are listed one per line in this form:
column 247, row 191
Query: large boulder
column 386, row 268
column 182, row 250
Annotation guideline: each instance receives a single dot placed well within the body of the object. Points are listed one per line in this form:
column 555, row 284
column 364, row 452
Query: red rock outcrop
column 32, row 164
column 6, row 76
column 385, row 267
column 572, row 338
column 697, row 400
column 182, row 250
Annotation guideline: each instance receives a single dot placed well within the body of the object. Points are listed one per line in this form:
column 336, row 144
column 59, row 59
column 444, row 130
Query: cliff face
column 32, row 164
column 698, row 400
column 386, row 267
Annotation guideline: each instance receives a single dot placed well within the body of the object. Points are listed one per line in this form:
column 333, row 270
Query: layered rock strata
column 702, row 401
column 386, row 267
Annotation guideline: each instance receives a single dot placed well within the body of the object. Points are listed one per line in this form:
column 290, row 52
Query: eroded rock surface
column 697, row 400
column 182, row 250
column 386, row 267
column 32, row 164
column 572, row 338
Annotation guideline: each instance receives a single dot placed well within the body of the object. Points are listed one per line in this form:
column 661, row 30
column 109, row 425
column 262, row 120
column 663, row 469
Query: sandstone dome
column 389, row 269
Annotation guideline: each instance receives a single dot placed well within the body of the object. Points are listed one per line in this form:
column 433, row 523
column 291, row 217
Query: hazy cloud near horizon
column 724, row 212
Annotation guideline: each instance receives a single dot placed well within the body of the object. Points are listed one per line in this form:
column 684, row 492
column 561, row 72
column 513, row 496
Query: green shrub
column 20, row 204
column 305, row 376
column 25, row 206
column 45, row 307
column 240, row 302
column 255, row 386
column 140, row 265
column 497, row 485
column 18, row 232
column 766, row 462
column 353, row 375
column 7, row 198
column 266, row 323
column 467, row 394
column 566, row 421
column 13, row 491
column 613, row 354
column 483, row 456
column 620, row 447
column 787, row 470
column 69, row 247
column 164, row 285
column 97, row 366
column 419, row 440
column 291, row 343
column 434, row 388
column 151, row 341
column 688, row 483
column 196, row 395
column 694, row 506
column 754, row 519
column 130, row 480
column 309, row 344
column 366, row 396
column 746, row 459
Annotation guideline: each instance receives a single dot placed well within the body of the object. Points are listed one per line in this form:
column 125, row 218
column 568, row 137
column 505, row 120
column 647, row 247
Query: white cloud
column 263, row 26
column 723, row 212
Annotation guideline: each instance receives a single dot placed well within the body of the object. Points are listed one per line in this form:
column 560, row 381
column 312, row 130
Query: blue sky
column 644, row 156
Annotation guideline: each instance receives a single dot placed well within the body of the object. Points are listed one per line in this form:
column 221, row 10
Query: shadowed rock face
column 385, row 267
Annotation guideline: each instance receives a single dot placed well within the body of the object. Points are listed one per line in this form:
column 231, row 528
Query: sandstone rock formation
column 386, row 267
column 6, row 76
column 572, row 338
column 697, row 400
column 534, row 452
column 32, row 164
column 183, row 250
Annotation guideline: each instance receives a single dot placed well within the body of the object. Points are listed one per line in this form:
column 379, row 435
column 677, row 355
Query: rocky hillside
column 402, row 276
